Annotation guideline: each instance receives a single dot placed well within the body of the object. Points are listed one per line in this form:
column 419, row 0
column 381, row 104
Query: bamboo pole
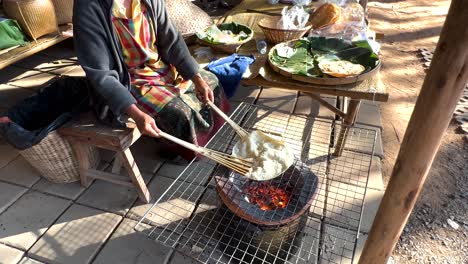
column 433, row 111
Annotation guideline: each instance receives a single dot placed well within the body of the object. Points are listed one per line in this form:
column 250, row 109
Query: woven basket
column 53, row 157
column 63, row 11
column 36, row 17
column 273, row 34
column 187, row 18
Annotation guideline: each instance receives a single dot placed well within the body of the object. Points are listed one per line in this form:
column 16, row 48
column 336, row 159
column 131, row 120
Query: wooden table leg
column 348, row 121
column 81, row 153
column 134, row 173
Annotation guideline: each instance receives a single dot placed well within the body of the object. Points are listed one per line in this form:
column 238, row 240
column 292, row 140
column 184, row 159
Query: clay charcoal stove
column 309, row 214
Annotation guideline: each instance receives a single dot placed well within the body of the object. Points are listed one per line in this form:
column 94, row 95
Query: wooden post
column 434, row 108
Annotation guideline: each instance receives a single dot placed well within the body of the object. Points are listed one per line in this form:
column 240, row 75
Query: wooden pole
column 433, row 111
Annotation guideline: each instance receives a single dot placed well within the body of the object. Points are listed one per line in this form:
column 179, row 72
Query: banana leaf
column 311, row 51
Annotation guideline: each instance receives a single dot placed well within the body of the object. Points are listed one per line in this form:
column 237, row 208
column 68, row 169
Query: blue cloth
column 229, row 71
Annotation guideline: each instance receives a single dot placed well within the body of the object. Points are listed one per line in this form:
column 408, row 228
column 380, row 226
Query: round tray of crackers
column 325, row 61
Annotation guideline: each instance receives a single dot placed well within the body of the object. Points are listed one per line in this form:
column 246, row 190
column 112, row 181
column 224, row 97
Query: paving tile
column 76, row 237
column 279, row 99
column 246, row 94
column 20, row 172
column 10, row 73
column 343, row 204
column 269, row 121
column 371, row 205
column 337, row 244
column 369, row 114
column 11, row 95
column 9, row 193
column 175, row 205
column 66, row 190
column 375, row 175
column 178, row 258
column 145, row 153
column 359, row 247
column 32, row 79
column 62, row 50
column 363, row 139
column 75, row 71
column 28, row 218
column 200, row 171
column 27, row 260
column 306, row 105
column 129, row 246
column 9, row 255
column 309, row 245
column 156, row 188
column 109, row 197
column 47, row 64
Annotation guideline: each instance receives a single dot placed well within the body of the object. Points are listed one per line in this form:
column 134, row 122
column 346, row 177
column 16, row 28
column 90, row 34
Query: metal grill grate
column 191, row 218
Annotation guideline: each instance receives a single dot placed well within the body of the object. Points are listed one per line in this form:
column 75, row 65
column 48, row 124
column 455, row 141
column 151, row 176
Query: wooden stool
column 86, row 130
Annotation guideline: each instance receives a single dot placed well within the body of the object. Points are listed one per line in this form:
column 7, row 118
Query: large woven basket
column 36, row 17
column 53, row 157
column 63, row 11
column 273, row 34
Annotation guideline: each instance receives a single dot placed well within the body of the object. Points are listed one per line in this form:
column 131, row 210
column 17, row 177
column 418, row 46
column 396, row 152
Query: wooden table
column 249, row 12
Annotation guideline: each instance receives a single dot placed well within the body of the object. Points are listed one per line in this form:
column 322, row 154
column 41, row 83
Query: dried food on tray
column 320, row 58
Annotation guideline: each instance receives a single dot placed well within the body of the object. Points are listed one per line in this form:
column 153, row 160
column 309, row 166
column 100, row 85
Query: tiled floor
column 43, row 222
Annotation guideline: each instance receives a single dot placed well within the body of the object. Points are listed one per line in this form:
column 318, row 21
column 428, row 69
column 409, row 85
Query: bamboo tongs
column 239, row 130
column 239, row 165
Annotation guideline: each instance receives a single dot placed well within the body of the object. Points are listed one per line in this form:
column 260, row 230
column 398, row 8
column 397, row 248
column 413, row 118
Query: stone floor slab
column 337, row 245
column 31, row 79
column 66, row 190
column 9, row 255
column 156, row 188
column 343, row 204
column 63, row 50
column 129, row 246
column 75, row 71
column 363, row 139
column 9, row 193
column 199, row 174
column 369, row 114
column 27, row 260
column 246, row 94
column 145, row 152
column 109, row 197
column 279, row 99
column 76, row 237
column 309, row 243
column 10, row 95
column 307, row 106
column 359, row 247
column 20, row 172
column 41, row 63
column 28, row 218
column 371, row 205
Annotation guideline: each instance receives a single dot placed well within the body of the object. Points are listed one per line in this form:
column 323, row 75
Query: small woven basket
column 36, row 17
column 273, row 34
column 63, row 11
column 53, row 157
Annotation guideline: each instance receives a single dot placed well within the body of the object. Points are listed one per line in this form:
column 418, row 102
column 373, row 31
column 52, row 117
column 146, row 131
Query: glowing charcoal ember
column 267, row 197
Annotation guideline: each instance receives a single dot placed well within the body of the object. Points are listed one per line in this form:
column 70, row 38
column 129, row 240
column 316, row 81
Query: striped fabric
column 156, row 83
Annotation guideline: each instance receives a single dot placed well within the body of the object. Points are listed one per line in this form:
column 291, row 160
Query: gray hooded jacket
column 100, row 54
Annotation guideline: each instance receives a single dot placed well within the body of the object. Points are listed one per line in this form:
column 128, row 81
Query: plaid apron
column 158, row 88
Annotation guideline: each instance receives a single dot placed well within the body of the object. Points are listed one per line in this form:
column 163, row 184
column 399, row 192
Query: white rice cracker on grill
column 341, row 68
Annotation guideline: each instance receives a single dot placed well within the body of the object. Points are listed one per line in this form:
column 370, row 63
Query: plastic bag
column 350, row 26
column 36, row 116
column 293, row 18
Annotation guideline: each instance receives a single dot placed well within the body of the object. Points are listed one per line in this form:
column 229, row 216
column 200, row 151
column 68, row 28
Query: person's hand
column 202, row 90
column 5, row 119
column 144, row 122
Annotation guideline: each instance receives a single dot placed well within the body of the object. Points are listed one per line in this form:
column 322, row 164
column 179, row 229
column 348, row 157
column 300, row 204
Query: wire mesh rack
column 191, row 218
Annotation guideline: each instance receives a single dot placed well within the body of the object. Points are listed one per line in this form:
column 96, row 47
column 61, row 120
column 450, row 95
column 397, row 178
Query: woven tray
column 53, row 157
column 324, row 80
